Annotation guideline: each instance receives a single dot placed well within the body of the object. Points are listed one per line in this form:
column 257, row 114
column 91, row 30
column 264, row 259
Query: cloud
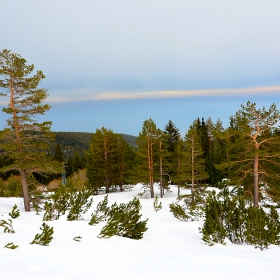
column 91, row 95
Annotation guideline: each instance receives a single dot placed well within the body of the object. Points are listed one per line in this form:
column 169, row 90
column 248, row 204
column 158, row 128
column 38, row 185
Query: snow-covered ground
column 170, row 249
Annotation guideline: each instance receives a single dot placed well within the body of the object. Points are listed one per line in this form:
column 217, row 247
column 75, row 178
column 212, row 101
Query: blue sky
column 115, row 63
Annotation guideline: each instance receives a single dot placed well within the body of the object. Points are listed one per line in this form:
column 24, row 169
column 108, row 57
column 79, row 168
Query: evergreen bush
column 262, row 229
column 11, row 245
column 194, row 203
column 157, row 205
column 67, row 198
column 213, row 230
column 124, row 220
column 8, row 226
column 225, row 216
column 79, row 204
column 15, row 212
column 45, row 237
column 77, row 238
column 37, row 197
column 100, row 212
column 179, row 212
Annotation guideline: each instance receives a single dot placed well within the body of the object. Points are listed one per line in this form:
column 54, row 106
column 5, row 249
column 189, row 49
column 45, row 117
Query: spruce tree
column 171, row 146
column 173, row 136
column 178, row 164
column 58, row 154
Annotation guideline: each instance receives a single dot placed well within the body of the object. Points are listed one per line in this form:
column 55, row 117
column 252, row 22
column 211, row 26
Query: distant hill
column 72, row 142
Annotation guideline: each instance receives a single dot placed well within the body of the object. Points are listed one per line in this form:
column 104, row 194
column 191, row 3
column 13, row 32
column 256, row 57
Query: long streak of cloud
column 90, row 95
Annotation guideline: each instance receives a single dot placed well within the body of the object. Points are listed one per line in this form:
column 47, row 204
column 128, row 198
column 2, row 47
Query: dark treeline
column 246, row 153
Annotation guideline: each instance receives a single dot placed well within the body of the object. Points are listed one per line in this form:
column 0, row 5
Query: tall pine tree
column 25, row 140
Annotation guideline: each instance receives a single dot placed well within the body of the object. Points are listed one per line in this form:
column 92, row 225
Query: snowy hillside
column 170, row 249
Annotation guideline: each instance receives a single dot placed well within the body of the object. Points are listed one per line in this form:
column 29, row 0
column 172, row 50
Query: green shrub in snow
column 262, row 229
column 11, row 245
column 226, row 216
column 77, row 238
column 124, row 220
column 8, row 226
column 45, row 237
column 100, row 212
column 79, row 204
column 15, row 212
column 179, row 212
column 157, row 205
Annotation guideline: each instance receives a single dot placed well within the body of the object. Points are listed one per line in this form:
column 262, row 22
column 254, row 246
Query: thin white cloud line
column 91, row 95
column 86, row 95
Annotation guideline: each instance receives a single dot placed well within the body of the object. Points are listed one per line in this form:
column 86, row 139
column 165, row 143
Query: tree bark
column 193, row 174
column 160, row 166
column 256, row 180
column 25, row 191
column 151, row 163
column 107, row 184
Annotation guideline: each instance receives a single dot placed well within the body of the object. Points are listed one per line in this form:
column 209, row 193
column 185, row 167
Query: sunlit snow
column 170, row 249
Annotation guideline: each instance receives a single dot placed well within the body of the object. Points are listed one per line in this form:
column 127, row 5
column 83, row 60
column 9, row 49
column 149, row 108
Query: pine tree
column 26, row 140
column 102, row 160
column 252, row 149
column 195, row 163
column 148, row 154
column 125, row 162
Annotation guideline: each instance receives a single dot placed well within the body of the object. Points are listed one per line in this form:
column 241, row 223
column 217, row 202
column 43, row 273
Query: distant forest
column 78, row 142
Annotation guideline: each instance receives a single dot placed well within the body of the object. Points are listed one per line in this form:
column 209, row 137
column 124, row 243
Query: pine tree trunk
column 151, row 163
column 25, row 191
column 192, row 189
column 107, row 184
column 121, row 185
column 161, row 185
column 256, row 180
column 152, row 188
